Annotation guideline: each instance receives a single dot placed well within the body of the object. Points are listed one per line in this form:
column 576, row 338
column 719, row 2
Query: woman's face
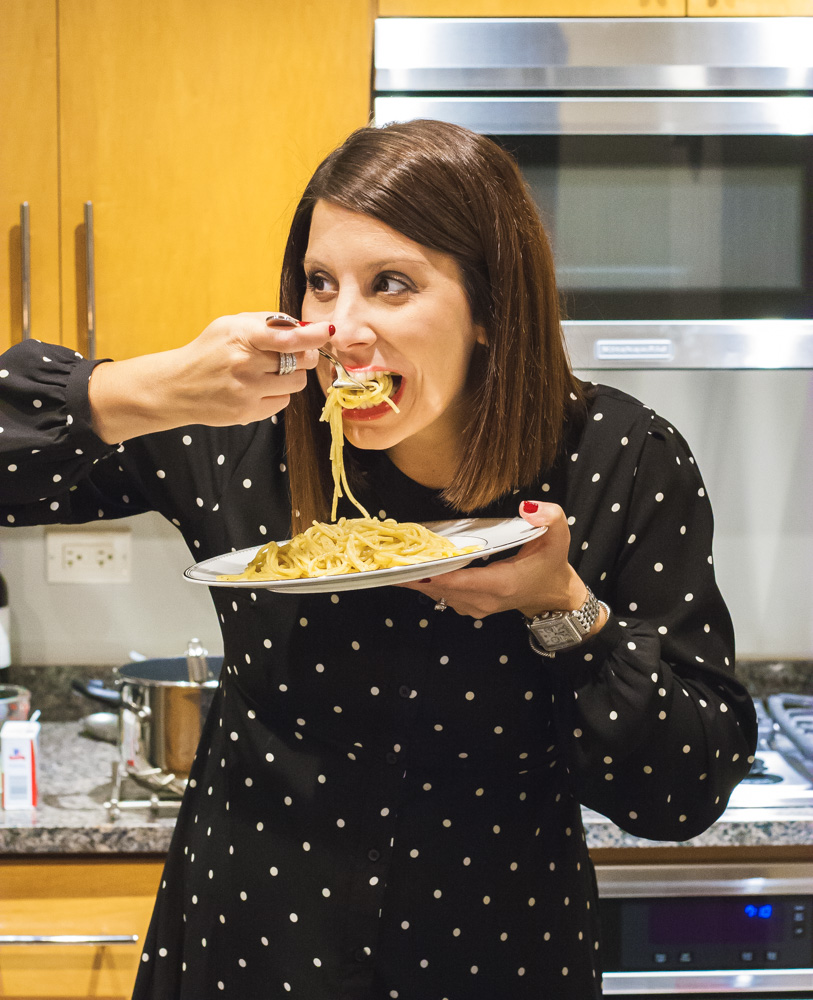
column 397, row 306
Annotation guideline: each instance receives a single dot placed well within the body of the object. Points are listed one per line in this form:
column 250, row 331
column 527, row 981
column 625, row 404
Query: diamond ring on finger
column 287, row 363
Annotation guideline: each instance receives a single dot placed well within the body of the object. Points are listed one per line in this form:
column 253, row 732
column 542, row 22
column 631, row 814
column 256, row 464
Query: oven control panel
column 707, row 932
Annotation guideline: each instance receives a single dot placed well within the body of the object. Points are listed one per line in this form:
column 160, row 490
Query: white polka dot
column 161, row 474
column 187, row 440
column 658, row 567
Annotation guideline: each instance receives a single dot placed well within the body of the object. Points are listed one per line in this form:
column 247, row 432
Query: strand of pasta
column 376, row 390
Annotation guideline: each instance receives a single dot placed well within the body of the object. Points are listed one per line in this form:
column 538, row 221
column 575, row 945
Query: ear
column 481, row 335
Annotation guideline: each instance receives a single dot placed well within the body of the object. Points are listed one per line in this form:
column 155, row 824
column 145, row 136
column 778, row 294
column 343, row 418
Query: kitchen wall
column 751, row 432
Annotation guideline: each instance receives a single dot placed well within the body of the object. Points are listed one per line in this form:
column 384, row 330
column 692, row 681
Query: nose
column 355, row 336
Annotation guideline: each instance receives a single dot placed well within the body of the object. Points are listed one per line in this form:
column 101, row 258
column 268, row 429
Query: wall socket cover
column 88, row 556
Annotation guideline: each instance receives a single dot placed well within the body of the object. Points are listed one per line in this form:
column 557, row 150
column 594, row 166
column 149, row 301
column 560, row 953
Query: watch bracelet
column 551, row 654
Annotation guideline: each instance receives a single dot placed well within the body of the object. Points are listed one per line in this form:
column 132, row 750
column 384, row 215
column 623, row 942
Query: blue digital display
column 692, row 922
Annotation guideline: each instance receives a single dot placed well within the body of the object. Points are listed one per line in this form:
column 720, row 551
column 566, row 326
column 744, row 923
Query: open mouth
column 383, row 386
column 387, row 383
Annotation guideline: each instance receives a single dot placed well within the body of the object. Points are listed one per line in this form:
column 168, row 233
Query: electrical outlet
column 88, row 556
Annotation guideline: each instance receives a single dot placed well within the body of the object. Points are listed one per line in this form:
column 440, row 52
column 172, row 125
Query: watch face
column 557, row 633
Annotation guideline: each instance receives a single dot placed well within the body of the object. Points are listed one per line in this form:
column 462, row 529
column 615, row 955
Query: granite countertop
column 76, row 781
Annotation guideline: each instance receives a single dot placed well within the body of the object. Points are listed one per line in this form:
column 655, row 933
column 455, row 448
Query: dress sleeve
column 55, row 469
column 656, row 730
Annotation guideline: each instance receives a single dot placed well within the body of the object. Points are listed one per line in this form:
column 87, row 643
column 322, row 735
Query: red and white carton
column 19, row 760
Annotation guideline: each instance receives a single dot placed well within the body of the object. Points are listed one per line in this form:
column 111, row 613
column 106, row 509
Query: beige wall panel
column 750, row 8
column 28, row 164
column 531, row 8
column 192, row 126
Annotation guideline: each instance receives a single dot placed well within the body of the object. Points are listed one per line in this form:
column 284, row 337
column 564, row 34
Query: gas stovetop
column 782, row 772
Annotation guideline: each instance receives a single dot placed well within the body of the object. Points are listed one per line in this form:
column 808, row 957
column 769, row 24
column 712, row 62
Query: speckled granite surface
column 75, row 782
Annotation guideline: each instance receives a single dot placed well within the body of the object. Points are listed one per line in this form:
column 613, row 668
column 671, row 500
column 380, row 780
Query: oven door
column 707, row 930
column 682, row 227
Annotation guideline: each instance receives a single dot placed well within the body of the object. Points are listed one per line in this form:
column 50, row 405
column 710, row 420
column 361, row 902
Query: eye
column 392, row 284
column 318, row 282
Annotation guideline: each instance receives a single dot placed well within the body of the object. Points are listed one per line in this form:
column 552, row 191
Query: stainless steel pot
column 161, row 715
column 14, row 702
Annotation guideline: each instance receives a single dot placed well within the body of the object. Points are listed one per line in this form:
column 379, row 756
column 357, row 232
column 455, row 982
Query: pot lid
column 171, row 671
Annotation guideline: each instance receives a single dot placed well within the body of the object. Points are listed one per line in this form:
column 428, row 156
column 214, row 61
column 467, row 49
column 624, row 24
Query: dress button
column 405, row 691
column 373, row 854
column 392, row 758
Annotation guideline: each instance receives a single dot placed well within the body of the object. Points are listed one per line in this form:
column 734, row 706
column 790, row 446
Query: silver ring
column 287, row 363
column 441, row 605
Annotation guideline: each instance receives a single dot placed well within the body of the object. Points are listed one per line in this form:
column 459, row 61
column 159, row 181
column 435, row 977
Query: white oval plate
column 494, row 534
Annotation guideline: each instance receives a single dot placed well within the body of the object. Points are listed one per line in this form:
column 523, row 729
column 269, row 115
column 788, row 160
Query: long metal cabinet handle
column 90, row 281
column 68, row 938
column 25, row 269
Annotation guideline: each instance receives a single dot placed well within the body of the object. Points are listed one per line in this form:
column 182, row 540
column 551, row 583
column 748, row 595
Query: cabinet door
column 193, row 126
column 28, row 165
column 750, row 8
column 77, row 897
column 531, row 8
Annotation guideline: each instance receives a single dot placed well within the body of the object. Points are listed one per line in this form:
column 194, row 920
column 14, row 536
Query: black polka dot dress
column 385, row 802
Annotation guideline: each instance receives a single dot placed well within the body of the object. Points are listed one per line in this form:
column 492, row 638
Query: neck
column 428, row 458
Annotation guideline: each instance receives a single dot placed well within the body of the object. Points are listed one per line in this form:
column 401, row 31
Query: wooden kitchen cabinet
column 750, row 8
column 191, row 126
column 55, row 896
column 28, row 165
column 531, row 8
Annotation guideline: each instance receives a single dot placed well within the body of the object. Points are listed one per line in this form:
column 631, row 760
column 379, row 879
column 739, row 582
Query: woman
column 386, row 798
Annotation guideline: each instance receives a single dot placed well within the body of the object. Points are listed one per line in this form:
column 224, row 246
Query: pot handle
column 96, row 691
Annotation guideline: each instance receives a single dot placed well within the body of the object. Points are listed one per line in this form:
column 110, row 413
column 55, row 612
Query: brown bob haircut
column 458, row 192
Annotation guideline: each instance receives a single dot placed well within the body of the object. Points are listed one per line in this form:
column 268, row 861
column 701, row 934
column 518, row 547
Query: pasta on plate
column 351, row 545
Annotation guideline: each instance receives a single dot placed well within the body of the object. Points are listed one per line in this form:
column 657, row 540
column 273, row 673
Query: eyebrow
column 377, row 265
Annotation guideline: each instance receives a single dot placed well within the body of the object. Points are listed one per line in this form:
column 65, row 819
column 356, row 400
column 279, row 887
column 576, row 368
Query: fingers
column 539, row 513
column 277, row 333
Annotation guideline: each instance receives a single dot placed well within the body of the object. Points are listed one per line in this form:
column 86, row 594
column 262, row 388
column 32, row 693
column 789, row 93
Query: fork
column 343, row 380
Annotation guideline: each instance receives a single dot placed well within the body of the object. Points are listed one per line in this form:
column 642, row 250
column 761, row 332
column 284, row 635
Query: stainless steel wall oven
column 708, row 930
column 671, row 159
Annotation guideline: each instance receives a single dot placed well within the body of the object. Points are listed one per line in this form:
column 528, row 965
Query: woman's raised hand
column 241, row 369
column 538, row 578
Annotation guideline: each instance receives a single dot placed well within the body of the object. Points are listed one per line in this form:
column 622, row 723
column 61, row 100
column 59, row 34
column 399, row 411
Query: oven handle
column 693, row 981
column 608, row 115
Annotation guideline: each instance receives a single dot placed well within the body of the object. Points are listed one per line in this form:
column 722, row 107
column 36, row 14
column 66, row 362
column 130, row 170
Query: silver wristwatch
column 555, row 630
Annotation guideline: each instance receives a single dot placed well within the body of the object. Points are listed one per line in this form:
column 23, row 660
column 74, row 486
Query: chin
column 369, row 437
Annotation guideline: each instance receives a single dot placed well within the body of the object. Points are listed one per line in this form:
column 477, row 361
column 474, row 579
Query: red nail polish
column 530, row 507
column 304, row 322
column 427, row 579
column 331, row 329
